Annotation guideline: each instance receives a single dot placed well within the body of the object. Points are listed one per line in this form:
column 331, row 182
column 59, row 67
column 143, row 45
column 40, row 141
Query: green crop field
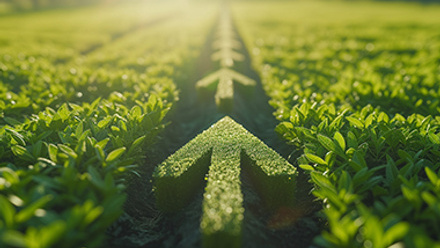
column 207, row 123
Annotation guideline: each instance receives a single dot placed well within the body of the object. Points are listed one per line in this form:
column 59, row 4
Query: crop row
column 60, row 35
column 72, row 133
column 136, row 63
column 358, row 99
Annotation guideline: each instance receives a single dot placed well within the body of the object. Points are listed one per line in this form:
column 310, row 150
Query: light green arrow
column 223, row 81
column 225, row 146
column 227, row 56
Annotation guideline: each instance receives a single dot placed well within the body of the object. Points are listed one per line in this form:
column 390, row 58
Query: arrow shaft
column 227, row 57
column 227, row 52
column 224, row 80
column 224, row 97
column 223, row 201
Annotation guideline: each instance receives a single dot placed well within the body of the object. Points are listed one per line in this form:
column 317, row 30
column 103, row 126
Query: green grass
column 355, row 86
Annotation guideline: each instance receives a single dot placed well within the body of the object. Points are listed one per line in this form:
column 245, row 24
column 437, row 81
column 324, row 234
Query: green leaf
column 13, row 238
column 28, row 212
column 432, row 176
column 50, row 234
column 22, row 153
column 93, row 214
column 344, row 181
column 355, row 122
column 361, row 176
column 16, row 136
column 100, row 153
column 358, row 161
column 79, row 129
column 404, row 155
column 330, row 158
column 9, row 175
column 137, row 143
column 410, row 194
column 396, row 232
column 105, row 122
column 53, row 152
column 152, row 101
column 286, row 125
column 315, row 159
column 430, row 199
column 36, row 149
column 369, row 119
column 122, row 125
column 64, row 112
column 7, row 212
column 11, row 121
column 103, row 143
column 136, row 112
column 326, row 142
column 391, row 170
column 95, row 177
column 340, row 139
column 112, row 156
column 322, row 181
column 383, row 117
column 336, row 123
column 352, row 140
column 147, row 123
column 306, row 167
column 67, row 150
column 95, row 103
column 19, row 151
column 433, row 138
column 42, row 136
column 84, row 135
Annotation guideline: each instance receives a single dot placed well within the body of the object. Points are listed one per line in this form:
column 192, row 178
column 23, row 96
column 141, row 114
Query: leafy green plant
column 359, row 105
column 79, row 114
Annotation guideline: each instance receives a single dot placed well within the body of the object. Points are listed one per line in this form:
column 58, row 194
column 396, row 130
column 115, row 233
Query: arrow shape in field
column 223, row 82
column 227, row 56
column 218, row 155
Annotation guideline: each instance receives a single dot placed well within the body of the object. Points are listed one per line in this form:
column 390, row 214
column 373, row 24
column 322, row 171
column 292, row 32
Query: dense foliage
column 84, row 95
column 358, row 97
column 77, row 117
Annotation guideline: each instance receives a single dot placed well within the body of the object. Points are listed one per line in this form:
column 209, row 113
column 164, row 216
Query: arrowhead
column 223, row 79
column 227, row 56
column 225, row 146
